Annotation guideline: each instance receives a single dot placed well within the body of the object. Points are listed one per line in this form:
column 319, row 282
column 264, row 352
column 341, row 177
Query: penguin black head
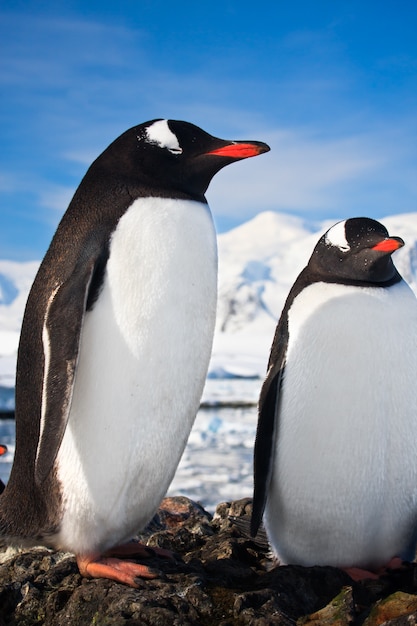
column 170, row 158
column 357, row 250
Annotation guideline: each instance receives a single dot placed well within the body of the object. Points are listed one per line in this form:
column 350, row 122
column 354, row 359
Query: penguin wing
column 61, row 340
column 264, row 451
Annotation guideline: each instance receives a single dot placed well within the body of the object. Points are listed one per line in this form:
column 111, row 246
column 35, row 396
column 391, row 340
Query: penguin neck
column 119, row 193
column 309, row 276
column 148, row 187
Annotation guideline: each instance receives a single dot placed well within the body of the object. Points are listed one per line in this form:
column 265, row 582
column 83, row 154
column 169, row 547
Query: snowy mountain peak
column 261, row 237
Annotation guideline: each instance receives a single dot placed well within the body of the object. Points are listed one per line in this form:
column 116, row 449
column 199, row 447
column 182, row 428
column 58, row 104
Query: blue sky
column 330, row 85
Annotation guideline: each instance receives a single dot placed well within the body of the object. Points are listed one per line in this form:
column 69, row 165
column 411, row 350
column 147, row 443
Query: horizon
column 332, row 90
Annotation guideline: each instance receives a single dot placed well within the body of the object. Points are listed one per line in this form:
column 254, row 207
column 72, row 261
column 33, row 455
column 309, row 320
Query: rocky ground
column 219, row 577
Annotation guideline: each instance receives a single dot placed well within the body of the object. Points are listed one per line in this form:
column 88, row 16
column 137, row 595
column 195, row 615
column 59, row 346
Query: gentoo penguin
column 115, row 346
column 335, row 465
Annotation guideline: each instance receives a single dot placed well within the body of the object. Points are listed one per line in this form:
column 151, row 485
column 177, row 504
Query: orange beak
column 241, row 150
column 389, row 245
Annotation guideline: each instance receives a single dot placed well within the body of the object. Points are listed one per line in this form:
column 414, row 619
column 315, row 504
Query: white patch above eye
column 161, row 135
column 336, row 236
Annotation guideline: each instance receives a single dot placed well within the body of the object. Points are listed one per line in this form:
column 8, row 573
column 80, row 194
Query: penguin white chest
column 144, row 355
column 344, row 484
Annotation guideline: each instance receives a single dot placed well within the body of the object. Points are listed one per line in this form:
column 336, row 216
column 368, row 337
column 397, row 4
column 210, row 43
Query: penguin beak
column 241, row 149
column 390, row 244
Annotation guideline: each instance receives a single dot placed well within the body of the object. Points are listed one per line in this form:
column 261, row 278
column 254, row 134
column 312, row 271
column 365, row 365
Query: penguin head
column 166, row 156
column 356, row 250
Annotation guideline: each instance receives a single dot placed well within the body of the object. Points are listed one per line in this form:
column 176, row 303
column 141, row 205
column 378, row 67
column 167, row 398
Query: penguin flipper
column 61, row 341
column 267, row 423
column 264, row 446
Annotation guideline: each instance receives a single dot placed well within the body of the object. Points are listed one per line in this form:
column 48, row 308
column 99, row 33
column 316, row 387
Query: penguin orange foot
column 356, row 573
column 111, row 563
column 96, row 566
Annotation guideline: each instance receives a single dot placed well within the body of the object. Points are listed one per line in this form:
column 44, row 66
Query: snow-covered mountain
column 258, row 262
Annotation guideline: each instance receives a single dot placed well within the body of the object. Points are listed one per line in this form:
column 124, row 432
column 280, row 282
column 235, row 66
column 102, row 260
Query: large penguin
column 115, row 346
column 335, row 466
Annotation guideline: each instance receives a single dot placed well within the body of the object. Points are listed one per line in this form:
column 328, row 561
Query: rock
column 220, row 577
column 339, row 612
column 398, row 608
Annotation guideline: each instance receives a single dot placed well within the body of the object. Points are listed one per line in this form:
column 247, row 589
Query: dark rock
column 220, row 576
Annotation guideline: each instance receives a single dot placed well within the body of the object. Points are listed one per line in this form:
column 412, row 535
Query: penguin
column 114, row 348
column 335, row 458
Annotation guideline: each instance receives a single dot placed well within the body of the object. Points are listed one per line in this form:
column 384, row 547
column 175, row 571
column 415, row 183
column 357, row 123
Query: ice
column 217, row 462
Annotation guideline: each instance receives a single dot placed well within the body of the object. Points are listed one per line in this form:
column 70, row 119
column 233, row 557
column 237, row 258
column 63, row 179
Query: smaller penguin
column 335, row 464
